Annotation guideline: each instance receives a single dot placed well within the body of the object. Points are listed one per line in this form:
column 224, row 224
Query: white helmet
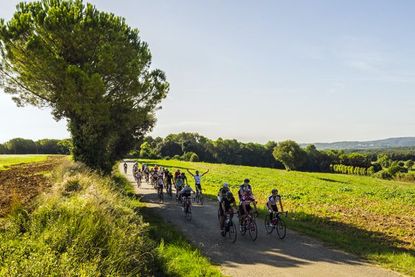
column 226, row 185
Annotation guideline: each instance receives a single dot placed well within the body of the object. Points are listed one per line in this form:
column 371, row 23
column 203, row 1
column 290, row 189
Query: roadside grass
column 8, row 160
column 83, row 227
column 176, row 256
column 372, row 218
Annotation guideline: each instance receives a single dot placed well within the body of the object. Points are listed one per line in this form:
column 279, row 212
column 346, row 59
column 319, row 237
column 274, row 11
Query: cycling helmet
column 246, row 180
column 274, row 191
column 225, row 185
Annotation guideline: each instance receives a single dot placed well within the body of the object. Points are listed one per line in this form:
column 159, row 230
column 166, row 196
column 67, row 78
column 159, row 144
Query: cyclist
column 246, row 198
column 169, row 179
column 185, row 193
column 197, row 178
column 176, row 174
column 246, row 186
column 179, row 184
column 160, row 185
column 227, row 205
column 125, row 167
column 138, row 175
column 184, row 178
column 272, row 203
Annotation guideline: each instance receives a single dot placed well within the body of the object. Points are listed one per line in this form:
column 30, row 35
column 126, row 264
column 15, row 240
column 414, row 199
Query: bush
column 177, row 157
column 194, row 158
column 188, row 155
column 383, row 174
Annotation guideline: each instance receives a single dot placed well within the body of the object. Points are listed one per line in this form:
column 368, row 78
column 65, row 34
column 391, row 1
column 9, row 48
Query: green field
column 9, row 160
column 372, row 218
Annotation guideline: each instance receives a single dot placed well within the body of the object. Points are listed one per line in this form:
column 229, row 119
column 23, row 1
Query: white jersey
column 273, row 201
column 197, row 179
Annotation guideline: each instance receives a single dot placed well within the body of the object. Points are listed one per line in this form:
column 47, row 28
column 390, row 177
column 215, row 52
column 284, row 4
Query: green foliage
column 194, row 158
column 21, row 146
column 90, row 67
column 83, row 227
column 290, row 154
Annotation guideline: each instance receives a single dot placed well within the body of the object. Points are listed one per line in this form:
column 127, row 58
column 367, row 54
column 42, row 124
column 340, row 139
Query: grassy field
column 9, row 160
column 372, row 218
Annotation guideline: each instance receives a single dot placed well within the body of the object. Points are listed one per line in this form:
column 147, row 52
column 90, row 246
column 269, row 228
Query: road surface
column 296, row 255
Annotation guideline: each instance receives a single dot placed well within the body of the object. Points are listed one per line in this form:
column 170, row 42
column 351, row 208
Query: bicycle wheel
column 188, row 212
column 281, row 228
column 242, row 228
column 232, row 233
column 267, row 223
column 253, row 230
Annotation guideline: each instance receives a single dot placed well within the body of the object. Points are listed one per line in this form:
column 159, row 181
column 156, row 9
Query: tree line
column 286, row 154
column 43, row 146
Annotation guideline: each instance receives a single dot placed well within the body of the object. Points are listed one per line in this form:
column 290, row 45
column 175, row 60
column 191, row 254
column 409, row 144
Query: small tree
column 90, row 67
column 290, row 154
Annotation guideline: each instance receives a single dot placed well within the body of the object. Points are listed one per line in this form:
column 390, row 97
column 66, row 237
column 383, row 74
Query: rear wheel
column 253, row 230
column 281, row 228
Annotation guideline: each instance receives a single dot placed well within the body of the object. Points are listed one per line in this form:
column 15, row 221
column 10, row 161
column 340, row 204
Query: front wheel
column 188, row 212
column 281, row 228
column 253, row 230
column 268, row 226
column 232, row 233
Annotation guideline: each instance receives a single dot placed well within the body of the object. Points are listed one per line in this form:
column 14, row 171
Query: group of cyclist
column 162, row 178
column 228, row 205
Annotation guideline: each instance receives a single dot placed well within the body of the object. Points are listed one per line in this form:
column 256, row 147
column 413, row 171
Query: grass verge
column 84, row 226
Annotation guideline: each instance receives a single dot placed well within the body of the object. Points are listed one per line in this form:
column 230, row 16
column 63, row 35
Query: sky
column 311, row 71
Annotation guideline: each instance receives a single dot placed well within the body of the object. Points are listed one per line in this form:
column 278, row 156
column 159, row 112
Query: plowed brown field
column 24, row 182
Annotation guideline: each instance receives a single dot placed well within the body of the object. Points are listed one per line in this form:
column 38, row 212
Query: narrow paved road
column 296, row 255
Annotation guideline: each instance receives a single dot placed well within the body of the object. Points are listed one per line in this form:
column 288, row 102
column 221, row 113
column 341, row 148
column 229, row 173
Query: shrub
column 383, row 174
column 194, row 158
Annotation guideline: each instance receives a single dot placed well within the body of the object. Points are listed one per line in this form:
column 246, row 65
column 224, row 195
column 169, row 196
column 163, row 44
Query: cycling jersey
column 243, row 189
column 222, row 193
column 273, row 201
column 186, row 191
column 228, row 202
column 197, row 179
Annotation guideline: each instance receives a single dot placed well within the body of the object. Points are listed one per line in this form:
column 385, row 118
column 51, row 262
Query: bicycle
column 276, row 223
column 248, row 223
column 199, row 197
column 169, row 190
column 160, row 193
column 187, row 208
column 230, row 228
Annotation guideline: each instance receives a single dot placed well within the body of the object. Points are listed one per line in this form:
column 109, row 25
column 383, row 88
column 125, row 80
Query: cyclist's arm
column 190, row 173
column 282, row 209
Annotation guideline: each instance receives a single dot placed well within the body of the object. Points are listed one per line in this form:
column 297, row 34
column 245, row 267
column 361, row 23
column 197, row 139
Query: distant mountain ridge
column 373, row 144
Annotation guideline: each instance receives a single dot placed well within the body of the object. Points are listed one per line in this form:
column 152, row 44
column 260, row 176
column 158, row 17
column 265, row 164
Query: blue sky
column 312, row 71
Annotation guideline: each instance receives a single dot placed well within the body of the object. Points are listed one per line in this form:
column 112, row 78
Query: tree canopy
column 90, row 67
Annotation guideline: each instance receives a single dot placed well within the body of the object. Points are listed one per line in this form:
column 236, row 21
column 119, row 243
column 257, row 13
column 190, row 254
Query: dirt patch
column 24, row 182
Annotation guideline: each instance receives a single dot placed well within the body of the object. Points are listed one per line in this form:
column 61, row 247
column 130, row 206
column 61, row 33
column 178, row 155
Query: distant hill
column 383, row 143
